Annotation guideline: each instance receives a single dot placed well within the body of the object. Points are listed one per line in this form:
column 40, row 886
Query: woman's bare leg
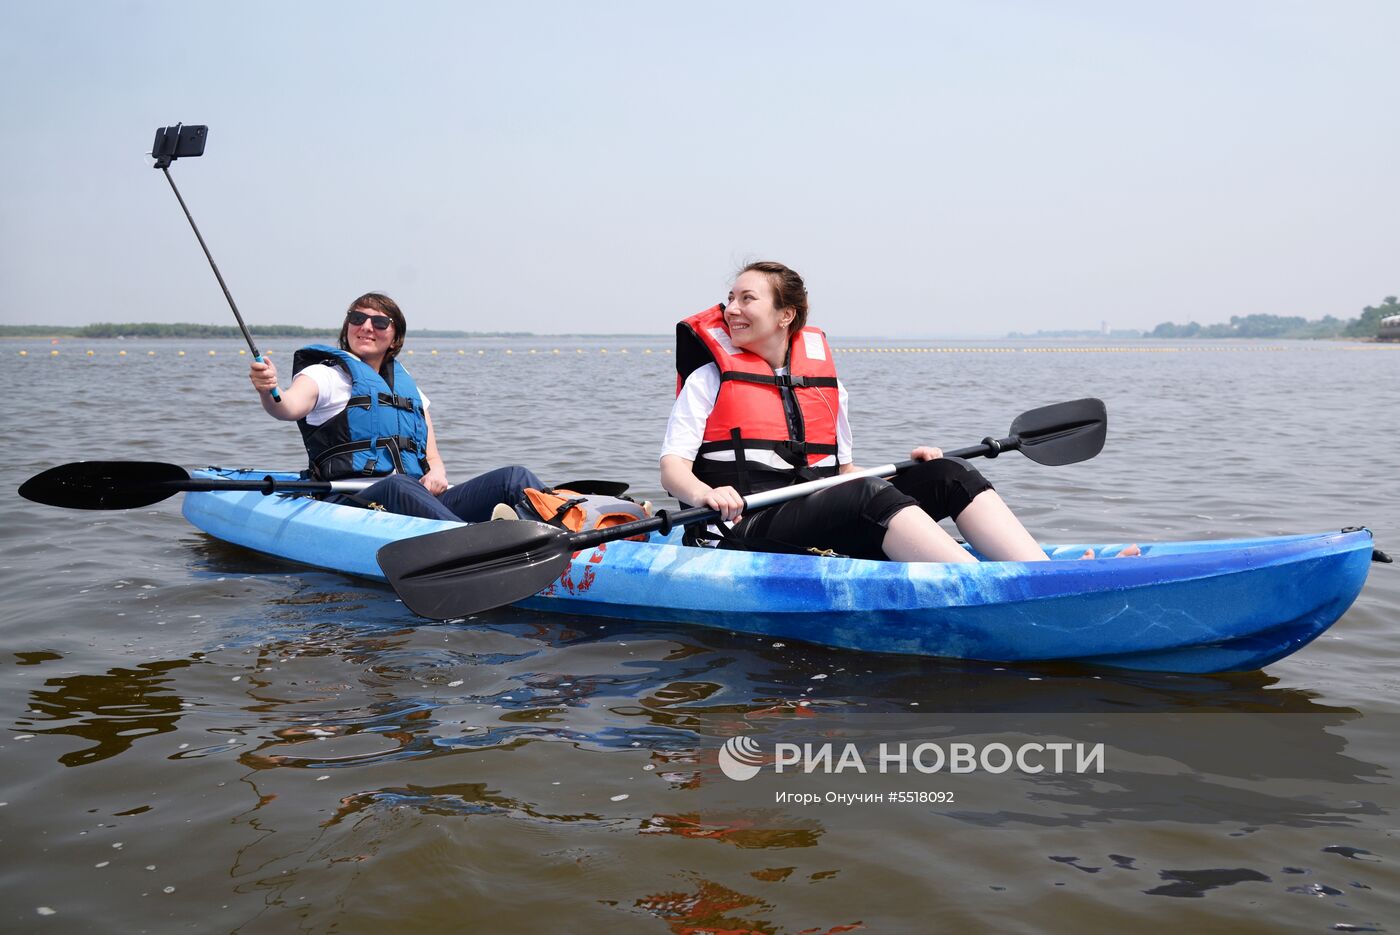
column 987, row 522
column 913, row 536
column 992, row 529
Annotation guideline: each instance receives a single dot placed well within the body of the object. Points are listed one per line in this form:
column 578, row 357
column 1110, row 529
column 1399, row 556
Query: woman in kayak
column 361, row 414
column 759, row 407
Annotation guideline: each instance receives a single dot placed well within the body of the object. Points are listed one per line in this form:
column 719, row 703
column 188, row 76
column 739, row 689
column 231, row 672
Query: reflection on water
column 706, row 908
column 354, row 736
column 711, row 907
column 112, row 711
column 747, row 830
column 1196, row 883
column 461, row 800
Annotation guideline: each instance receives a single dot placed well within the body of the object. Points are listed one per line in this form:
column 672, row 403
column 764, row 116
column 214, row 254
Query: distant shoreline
column 282, row 335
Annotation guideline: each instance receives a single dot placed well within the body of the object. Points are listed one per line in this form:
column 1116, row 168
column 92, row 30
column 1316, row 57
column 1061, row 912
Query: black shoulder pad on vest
column 691, row 352
column 305, row 357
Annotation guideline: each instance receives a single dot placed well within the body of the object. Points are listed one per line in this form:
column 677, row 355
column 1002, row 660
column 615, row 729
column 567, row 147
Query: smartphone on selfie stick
column 177, row 142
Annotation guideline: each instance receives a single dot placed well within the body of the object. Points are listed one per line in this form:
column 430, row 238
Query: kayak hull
column 1208, row 606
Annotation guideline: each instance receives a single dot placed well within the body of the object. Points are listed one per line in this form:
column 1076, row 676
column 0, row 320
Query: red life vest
column 749, row 412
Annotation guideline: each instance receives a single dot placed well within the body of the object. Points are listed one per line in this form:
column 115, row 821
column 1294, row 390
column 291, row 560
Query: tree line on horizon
column 1367, row 325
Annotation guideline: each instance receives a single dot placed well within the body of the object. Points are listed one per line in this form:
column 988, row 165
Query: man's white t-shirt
column 685, row 430
column 333, row 392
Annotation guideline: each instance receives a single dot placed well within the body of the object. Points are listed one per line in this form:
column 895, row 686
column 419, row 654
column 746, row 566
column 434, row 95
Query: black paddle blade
column 1064, row 433
column 474, row 568
column 595, row 488
column 104, row 485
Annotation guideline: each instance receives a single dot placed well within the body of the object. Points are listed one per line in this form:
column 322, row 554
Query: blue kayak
column 1206, row 606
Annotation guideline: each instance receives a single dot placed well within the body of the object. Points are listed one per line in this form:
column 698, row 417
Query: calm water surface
column 198, row 738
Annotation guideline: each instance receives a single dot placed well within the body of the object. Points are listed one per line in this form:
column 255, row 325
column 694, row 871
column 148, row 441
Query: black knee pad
column 944, row 486
column 851, row 518
column 880, row 500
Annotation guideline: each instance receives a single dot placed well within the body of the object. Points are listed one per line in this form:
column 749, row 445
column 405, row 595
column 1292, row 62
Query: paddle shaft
column 267, row 485
column 665, row 521
column 257, row 355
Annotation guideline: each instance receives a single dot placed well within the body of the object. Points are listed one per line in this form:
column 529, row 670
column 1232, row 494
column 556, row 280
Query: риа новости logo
column 740, row 758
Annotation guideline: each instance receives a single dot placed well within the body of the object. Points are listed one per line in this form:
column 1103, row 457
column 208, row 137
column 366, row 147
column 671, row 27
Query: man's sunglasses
column 380, row 322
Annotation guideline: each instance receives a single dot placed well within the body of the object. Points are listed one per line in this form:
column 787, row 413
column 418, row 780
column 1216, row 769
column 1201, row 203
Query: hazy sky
column 933, row 169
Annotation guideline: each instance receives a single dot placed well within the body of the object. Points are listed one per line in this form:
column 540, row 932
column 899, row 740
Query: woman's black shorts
column 852, row 518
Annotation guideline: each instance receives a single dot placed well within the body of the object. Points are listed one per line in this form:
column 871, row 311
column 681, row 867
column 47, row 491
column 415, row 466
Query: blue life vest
column 382, row 429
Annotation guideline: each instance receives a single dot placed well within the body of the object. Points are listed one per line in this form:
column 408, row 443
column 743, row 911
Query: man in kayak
column 759, row 406
column 361, row 415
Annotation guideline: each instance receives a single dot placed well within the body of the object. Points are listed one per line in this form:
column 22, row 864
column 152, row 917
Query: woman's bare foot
column 1128, row 551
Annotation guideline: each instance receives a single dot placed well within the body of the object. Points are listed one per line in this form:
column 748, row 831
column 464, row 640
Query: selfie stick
column 172, row 143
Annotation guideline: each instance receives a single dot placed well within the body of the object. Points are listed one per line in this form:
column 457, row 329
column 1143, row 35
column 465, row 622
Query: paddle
column 473, row 568
column 171, row 143
column 601, row 488
column 124, row 485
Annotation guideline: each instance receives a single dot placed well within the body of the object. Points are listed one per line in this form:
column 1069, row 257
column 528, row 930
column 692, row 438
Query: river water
column 198, row 738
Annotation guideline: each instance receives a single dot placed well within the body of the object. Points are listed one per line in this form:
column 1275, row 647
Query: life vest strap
column 558, row 518
column 737, row 445
column 773, row 379
column 385, row 399
column 393, row 444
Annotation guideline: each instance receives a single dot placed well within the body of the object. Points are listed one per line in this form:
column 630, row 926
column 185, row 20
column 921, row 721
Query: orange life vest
column 577, row 512
column 749, row 412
